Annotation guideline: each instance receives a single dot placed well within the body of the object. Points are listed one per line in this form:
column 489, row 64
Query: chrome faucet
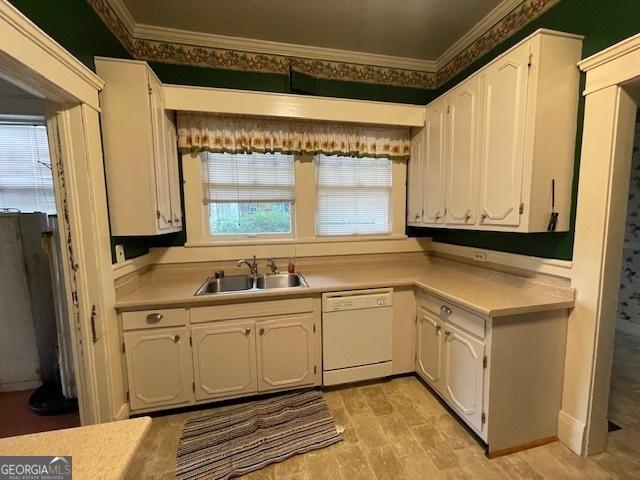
column 272, row 265
column 253, row 266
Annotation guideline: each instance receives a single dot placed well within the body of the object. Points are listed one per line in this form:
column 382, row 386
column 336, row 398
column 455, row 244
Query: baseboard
column 630, row 328
column 19, row 386
column 571, row 432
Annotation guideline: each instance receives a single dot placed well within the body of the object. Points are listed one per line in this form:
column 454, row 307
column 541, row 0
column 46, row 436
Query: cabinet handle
column 154, row 317
column 261, row 331
column 176, row 338
column 446, row 310
column 447, row 333
column 483, row 216
column 247, row 331
column 438, row 328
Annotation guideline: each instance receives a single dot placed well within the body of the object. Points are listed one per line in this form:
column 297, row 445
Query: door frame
column 32, row 60
column 611, row 102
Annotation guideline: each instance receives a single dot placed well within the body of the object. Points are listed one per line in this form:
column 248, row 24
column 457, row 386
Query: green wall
column 74, row 24
column 603, row 23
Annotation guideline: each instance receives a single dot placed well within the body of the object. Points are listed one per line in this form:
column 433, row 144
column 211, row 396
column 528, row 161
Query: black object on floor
column 613, row 427
column 48, row 399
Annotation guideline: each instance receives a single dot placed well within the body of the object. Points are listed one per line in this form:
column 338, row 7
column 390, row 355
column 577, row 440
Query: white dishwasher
column 357, row 335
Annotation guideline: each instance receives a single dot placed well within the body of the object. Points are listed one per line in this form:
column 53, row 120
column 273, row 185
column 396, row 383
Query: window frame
column 303, row 209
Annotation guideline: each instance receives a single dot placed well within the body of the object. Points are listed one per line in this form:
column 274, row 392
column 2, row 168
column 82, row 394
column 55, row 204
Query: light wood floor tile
column 397, row 429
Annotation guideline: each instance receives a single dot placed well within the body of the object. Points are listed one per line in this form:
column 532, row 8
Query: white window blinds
column 353, row 196
column 250, row 178
column 26, row 183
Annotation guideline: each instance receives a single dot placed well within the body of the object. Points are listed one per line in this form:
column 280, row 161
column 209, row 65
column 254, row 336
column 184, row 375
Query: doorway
column 37, row 375
column 624, row 395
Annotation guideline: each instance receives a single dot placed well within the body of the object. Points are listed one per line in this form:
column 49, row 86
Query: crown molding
column 479, row 29
column 185, row 37
column 168, row 45
column 611, row 53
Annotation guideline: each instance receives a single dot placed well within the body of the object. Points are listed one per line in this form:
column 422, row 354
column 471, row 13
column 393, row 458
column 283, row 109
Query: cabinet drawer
column 174, row 317
column 464, row 319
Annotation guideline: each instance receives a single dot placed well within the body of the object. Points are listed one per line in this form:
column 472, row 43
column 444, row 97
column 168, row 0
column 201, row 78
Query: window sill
column 295, row 241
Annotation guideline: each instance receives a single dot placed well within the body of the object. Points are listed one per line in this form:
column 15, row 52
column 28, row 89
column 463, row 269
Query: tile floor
column 397, row 430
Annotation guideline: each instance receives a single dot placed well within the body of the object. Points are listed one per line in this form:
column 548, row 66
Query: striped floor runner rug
column 244, row 438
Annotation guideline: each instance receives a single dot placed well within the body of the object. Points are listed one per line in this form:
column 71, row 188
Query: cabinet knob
column 438, row 328
column 446, row 310
column 247, row 331
column 154, row 317
column 447, row 333
column 176, row 338
column 261, row 332
column 483, row 216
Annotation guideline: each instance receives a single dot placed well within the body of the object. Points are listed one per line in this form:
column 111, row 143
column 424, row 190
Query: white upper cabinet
column 414, row 178
column 433, row 163
column 462, row 142
column 140, row 150
column 503, row 133
column 510, row 142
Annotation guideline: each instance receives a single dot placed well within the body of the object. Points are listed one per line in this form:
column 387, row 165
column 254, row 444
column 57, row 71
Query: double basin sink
column 247, row 283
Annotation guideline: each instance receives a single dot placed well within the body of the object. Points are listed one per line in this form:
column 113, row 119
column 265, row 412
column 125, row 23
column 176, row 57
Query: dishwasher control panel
column 357, row 299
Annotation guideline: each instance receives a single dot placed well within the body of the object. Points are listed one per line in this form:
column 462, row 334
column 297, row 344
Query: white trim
column 186, row 37
column 23, row 40
column 630, row 328
column 296, row 241
column 570, row 431
column 550, row 266
column 131, row 265
column 242, row 102
column 612, row 66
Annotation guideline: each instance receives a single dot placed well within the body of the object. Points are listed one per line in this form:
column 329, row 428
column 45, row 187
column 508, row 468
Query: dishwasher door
column 357, row 335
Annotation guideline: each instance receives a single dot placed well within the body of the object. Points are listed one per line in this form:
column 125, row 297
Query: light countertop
column 486, row 291
column 102, row 451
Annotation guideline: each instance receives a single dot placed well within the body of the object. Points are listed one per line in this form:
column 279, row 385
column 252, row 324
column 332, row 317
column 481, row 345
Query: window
column 353, row 196
column 26, row 183
column 249, row 194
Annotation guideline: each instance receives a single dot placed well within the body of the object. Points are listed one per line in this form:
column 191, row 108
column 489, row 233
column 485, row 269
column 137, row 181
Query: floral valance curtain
column 199, row 132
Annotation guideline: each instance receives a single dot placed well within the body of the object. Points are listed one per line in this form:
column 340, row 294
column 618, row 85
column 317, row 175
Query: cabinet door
column 429, row 349
column 286, row 352
column 462, row 138
column 503, row 131
column 464, row 374
column 159, row 367
column 174, row 176
column 160, row 164
column 224, row 359
column 415, row 178
column 434, row 163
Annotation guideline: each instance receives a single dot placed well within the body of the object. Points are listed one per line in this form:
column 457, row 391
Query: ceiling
column 420, row 29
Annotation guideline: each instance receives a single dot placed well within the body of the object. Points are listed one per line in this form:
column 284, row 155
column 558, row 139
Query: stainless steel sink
column 232, row 283
column 280, row 280
column 248, row 283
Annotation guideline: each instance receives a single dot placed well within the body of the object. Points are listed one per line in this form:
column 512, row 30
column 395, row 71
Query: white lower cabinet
column 285, row 352
column 464, row 374
column 224, row 359
column 451, row 362
column 159, row 367
column 220, row 352
column 429, row 349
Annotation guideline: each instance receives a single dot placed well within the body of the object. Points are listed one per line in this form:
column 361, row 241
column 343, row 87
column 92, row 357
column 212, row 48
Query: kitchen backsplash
column 629, row 300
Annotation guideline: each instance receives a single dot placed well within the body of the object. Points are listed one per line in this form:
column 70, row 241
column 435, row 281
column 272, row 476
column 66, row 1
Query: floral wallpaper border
column 176, row 53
